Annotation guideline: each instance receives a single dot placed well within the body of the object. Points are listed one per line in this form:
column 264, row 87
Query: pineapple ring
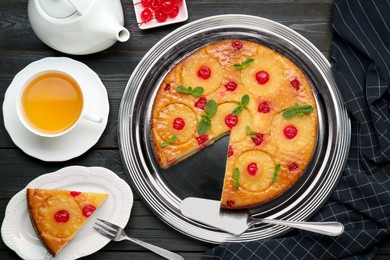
column 54, row 204
column 190, row 69
column 304, row 138
column 166, row 118
column 267, row 61
column 265, row 170
column 218, row 125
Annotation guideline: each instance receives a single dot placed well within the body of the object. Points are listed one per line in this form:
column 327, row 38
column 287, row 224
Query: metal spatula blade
column 237, row 222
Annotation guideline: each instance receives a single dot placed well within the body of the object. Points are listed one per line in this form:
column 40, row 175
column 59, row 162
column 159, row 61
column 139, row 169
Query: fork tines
column 106, row 228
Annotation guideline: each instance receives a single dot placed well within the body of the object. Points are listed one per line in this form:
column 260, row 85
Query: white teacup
column 51, row 103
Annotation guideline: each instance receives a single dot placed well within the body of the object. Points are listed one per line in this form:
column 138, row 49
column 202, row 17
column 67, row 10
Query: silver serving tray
column 201, row 175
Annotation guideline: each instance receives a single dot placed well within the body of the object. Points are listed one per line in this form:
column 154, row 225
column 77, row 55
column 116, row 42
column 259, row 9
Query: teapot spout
column 122, row 34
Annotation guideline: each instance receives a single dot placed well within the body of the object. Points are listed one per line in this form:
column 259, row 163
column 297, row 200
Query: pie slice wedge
column 57, row 215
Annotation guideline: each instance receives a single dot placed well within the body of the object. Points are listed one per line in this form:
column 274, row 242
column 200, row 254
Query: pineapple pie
column 259, row 97
column 57, row 215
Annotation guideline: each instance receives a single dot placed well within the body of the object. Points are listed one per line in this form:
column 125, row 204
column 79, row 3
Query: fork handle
column 158, row 250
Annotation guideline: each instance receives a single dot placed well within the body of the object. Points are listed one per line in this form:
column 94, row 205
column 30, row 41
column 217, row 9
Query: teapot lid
column 57, row 8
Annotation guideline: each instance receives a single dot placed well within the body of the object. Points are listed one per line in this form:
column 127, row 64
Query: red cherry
column 252, row 168
column 178, row 123
column 290, row 131
column 160, row 15
column 295, row 84
column 146, row 3
column 62, row 216
column 75, row 193
column 264, row 107
column 262, row 77
column 259, row 139
column 155, row 4
column 231, row 86
column 230, row 151
column 230, row 203
column 88, row 210
column 231, row 120
column 204, row 72
column 178, row 1
column 174, row 12
column 292, row 167
column 237, row 45
column 167, row 6
column 201, row 103
column 167, row 87
column 202, row 139
column 146, row 15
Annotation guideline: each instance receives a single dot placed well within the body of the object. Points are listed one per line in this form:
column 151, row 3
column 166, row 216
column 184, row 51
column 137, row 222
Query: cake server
column 237, row 222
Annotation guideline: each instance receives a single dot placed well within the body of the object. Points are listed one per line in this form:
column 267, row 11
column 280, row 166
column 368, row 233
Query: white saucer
column 79, row 139
column 19, row 235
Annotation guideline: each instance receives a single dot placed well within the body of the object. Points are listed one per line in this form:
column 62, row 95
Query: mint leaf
column 244, row 64
column 211, row 108
column 237, row 110
column 249, row 131
column 245, row 100
column 182, row 89
column 276, row 173
column 299, row 110
column 247, row 63
column 236, row 178
column 169, row 141
column 205, row 123
column 204, row 126
column 196, row 92
column 241, row 105
column 289, row 113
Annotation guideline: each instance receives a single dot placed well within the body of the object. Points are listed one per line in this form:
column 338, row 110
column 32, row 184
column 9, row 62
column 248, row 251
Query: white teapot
column 78, row 26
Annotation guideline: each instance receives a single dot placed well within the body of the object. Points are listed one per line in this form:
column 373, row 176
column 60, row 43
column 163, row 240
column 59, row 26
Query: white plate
column 79, row 139
column 181, row 16
column 19, row 235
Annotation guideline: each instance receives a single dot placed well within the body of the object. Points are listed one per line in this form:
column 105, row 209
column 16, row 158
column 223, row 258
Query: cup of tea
column 51, row 103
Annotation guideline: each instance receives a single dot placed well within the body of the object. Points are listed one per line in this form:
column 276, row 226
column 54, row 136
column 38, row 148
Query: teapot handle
column 80, row 5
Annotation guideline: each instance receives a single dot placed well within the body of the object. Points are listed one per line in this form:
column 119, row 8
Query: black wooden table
column 19, row 47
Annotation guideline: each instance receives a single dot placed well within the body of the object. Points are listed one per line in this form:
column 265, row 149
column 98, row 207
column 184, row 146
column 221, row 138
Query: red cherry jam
column 262, row 77
column 230, row 151
column 231, row 120
column 259, row 139
column 237, row 45
column 62, row 216
column 230, row 203
column 292, row 167
column 178, row 123
column 88, row 210
column 290, row 131
column 231, row 86
column 204, row 72
column 202, row 139
column 264, row 107
column 201, row 103
column 75, row 193
column 252, row 168
column 295, row 84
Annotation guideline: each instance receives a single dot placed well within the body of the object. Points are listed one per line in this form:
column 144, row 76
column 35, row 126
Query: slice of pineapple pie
column 57, row 215
column 259, row 97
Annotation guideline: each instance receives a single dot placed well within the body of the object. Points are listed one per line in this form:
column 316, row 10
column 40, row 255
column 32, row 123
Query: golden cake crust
column 250, row 177
column 57, row 215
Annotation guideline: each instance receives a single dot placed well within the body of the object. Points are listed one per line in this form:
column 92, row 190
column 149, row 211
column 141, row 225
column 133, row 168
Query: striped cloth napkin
column 360, row 59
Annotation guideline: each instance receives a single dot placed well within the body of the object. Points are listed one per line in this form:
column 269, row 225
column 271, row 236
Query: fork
column 117, row 233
